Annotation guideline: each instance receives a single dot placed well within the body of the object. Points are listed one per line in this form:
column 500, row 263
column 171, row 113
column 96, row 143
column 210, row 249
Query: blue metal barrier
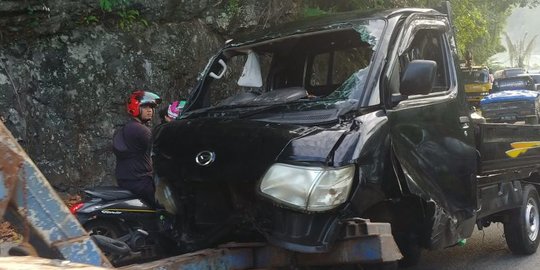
column 25, row 190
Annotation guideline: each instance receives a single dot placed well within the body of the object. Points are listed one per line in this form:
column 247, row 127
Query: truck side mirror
column 418, row 78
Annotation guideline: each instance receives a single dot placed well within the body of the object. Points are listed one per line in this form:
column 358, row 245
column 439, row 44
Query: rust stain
column 10, row 164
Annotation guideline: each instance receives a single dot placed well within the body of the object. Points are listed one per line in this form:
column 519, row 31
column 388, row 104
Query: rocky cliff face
column 66, row 68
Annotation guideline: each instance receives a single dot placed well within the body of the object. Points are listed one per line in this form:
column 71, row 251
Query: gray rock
column 70, row 79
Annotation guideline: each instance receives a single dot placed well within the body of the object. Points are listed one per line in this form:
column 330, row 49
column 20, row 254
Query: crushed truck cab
column 293, row 133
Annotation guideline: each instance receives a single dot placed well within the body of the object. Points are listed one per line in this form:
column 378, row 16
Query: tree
column 518, row 52
column 478, row 23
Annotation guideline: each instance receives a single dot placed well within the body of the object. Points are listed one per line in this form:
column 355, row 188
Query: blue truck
column 512, row 99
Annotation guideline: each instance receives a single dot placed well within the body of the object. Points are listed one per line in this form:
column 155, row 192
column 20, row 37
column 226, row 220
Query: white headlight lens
column 290, row 184
column 308, row 188
column 332, row 190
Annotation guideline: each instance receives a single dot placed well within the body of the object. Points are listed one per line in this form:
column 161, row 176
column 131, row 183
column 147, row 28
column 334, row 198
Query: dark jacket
column 132, row 145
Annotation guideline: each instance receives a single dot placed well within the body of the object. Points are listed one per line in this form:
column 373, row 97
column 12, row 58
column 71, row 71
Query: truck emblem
column 205, row 158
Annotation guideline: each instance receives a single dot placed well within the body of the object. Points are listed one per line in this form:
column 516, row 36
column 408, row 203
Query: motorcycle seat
column 110, row 193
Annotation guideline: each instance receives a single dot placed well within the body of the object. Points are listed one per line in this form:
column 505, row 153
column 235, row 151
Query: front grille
column 500, row 109
column 507, row 106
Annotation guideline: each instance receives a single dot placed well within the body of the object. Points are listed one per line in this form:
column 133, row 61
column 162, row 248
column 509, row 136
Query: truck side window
column 428, row 45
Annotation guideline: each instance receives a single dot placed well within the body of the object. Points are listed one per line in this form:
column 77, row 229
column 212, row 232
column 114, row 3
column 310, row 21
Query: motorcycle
column 131, row 230
column 114, row 213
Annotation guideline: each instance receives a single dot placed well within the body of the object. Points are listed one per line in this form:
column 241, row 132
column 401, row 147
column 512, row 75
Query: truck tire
column 410, row 249
column 521, row 228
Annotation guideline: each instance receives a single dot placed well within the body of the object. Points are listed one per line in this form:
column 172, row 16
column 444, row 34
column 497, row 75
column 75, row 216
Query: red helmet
column 139, row 98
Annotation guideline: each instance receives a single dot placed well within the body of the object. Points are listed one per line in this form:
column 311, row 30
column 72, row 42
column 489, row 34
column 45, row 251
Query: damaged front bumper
column 362, row 242
column 356, row 241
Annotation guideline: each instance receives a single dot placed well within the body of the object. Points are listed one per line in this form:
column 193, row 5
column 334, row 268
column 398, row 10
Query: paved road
column 485, row 250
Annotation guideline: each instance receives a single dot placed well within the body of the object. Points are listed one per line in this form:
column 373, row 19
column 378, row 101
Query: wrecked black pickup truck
column 300, row 135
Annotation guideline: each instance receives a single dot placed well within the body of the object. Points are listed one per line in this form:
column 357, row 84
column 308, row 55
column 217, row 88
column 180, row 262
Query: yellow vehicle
column 477, row 81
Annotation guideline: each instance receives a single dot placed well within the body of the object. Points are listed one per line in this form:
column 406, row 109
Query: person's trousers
column 142, row 188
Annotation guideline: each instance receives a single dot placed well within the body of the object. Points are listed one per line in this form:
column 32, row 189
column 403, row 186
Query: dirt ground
column 8, row 234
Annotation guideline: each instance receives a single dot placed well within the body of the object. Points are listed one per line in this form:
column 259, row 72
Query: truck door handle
column 464, row 121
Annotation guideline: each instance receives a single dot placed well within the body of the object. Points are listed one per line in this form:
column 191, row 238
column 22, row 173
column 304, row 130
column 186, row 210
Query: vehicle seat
column 110, row 193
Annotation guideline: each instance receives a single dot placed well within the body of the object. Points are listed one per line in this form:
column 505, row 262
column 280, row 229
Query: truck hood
column 510, row 95
column 242, row 149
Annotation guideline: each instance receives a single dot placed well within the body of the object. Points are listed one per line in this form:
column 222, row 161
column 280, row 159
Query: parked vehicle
column 513, row 99
column 535, row 77
column 477, row 83
column 508, row 73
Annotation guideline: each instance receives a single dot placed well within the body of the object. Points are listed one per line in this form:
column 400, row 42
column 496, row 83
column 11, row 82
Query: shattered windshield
column 311, row 70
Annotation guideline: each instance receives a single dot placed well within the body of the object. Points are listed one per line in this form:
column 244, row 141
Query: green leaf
column 133, row 12
column 144, row 22
column 105, row 5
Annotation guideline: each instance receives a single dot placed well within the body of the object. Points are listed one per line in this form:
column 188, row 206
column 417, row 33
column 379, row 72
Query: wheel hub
column 532, row 219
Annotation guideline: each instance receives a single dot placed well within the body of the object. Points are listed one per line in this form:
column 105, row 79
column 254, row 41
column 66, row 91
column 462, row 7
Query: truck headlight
column 308, row 188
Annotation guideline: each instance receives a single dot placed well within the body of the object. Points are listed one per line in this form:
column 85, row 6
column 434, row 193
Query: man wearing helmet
column 132, row 145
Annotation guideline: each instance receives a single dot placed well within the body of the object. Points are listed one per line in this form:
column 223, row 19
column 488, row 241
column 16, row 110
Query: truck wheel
column 410, row 249
column 521, row 229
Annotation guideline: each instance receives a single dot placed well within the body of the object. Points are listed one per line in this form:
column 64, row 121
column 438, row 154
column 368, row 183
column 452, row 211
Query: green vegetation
column 127, row 16
column 90, row 19
column 478, row 23
column 233, row 7
column 313, row 11
column 109, row 5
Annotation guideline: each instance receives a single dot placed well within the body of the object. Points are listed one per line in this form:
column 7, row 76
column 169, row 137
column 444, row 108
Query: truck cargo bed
column 494, row 141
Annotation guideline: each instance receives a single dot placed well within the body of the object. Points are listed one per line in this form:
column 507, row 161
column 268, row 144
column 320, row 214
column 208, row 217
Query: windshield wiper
column 263, row 108
column 223, row 108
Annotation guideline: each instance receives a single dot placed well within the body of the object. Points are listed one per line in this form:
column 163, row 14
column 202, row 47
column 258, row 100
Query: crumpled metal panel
column 24, row 186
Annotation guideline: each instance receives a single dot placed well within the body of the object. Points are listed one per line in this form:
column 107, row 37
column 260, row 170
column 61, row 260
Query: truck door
column 431, row 134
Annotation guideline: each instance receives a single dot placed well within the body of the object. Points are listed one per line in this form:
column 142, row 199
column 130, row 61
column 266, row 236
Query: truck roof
column 324, row 22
